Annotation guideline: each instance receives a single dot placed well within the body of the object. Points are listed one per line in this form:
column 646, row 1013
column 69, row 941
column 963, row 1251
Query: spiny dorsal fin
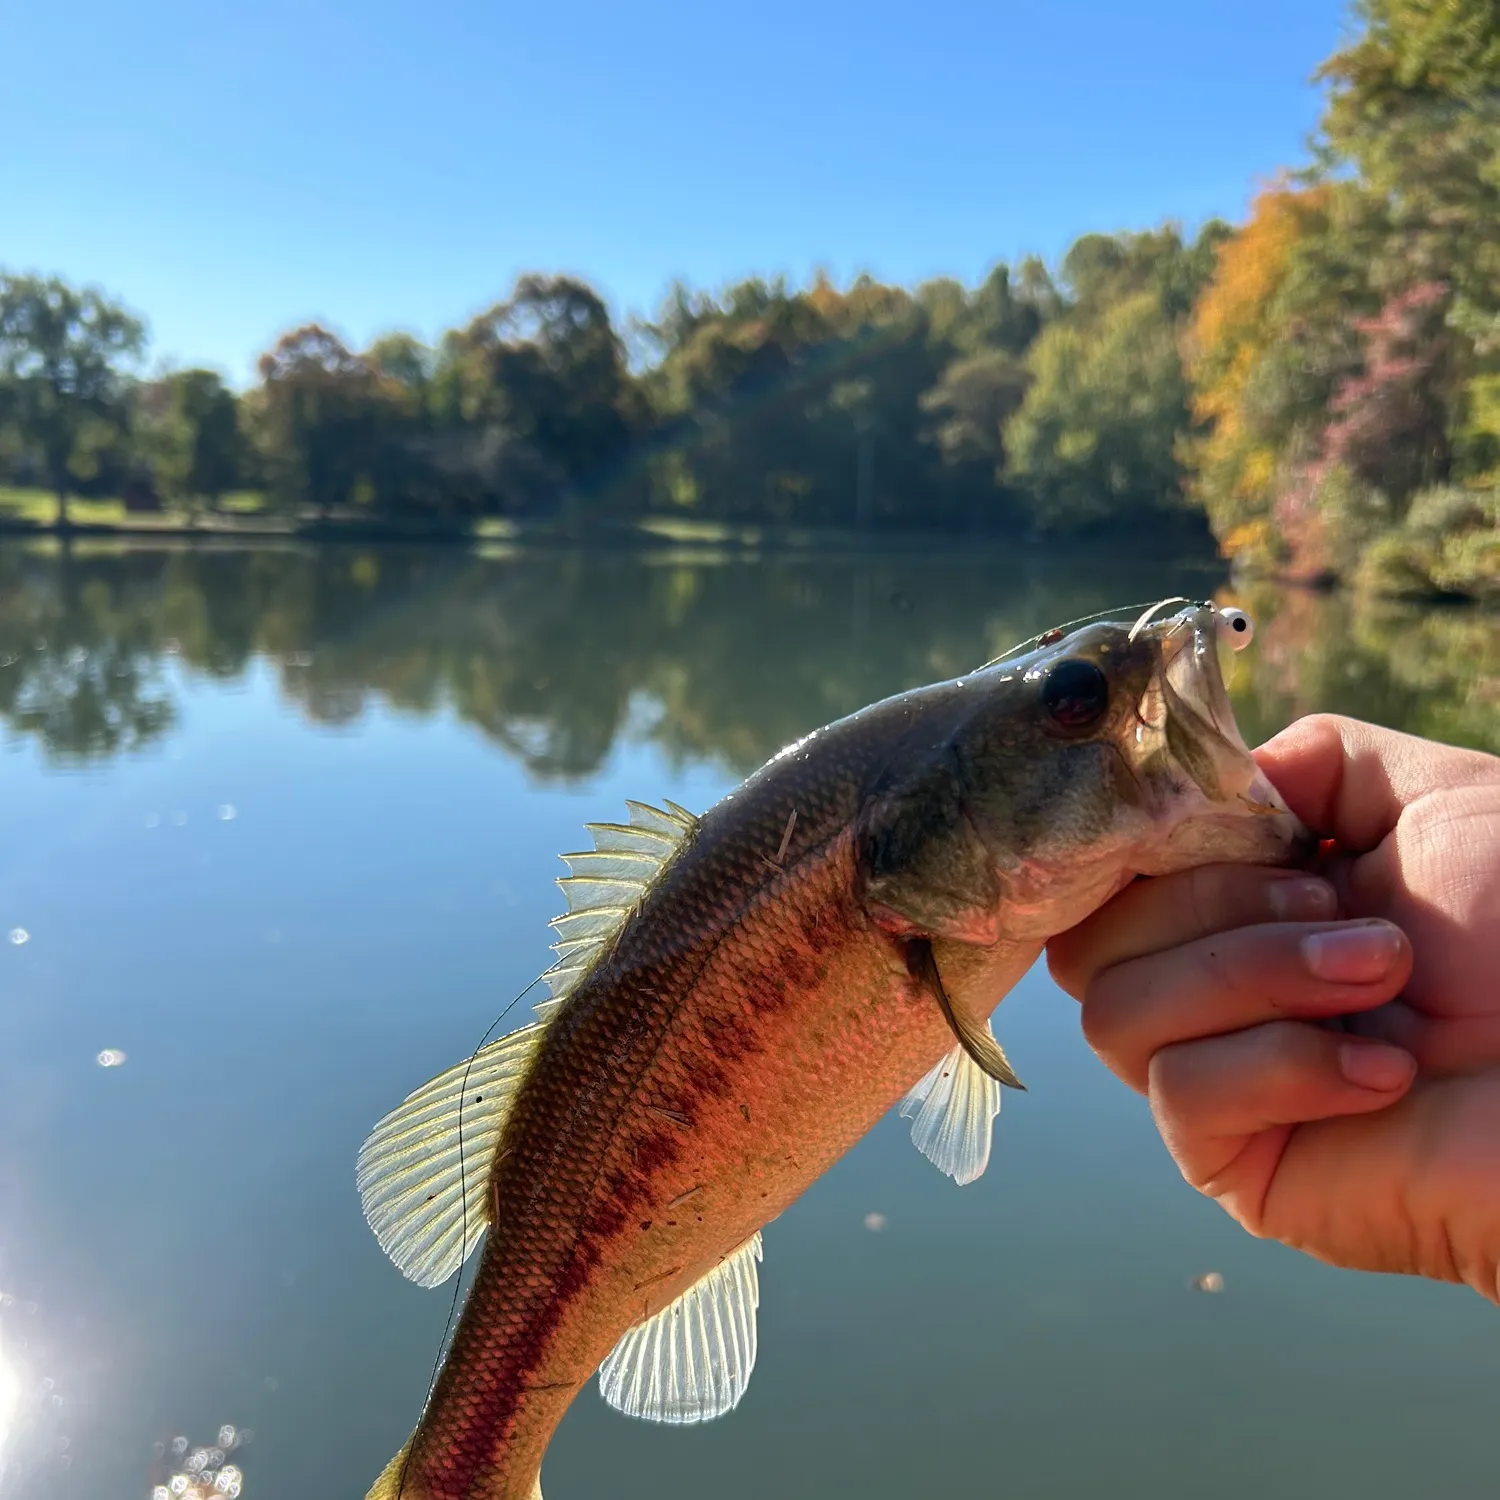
column 603, row 886
column 951, row 1111
column 692, row 1361
column 426, row 1200
column 428, row 1210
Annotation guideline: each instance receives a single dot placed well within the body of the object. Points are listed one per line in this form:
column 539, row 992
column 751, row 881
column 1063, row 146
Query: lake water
column 279, row 827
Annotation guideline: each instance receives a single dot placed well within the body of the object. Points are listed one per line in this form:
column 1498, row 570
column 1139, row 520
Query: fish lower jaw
column 1248, row 831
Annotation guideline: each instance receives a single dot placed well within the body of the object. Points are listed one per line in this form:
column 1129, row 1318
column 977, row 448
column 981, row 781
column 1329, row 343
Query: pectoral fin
column 975, row 1040
column 951, row 1111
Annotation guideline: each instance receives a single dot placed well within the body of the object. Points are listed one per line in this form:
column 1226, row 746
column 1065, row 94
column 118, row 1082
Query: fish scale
column 697, row 1009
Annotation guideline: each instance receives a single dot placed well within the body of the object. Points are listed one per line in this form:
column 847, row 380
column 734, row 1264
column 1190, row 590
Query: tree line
column 1322, row 383
column 1048, row 402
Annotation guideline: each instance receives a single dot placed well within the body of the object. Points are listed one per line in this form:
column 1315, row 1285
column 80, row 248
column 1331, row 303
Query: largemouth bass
column 739, row 997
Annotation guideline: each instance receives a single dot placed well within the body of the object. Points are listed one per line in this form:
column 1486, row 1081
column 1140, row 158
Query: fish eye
column 1236, row 627
column 1075, row 694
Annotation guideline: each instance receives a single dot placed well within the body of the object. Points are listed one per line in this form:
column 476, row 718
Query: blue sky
column 233, row 170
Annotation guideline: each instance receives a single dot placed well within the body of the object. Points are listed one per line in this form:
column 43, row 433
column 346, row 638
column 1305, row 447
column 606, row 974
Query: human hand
column 1370, row 1141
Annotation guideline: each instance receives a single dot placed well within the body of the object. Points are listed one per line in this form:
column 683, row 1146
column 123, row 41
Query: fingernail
column 1356, row 953
column 1373, row 1065
column 1302, row 898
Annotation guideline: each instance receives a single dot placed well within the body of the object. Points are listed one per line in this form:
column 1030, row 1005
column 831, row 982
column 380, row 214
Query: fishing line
column 1118, row 612
column 463, row 1199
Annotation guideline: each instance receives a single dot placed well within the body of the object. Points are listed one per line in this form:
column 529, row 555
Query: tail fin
column 390, row 1487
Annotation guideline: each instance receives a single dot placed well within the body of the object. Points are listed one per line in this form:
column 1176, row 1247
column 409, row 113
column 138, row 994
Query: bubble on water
column 111, row 1057
column 48, row 1383
column 161, row 1492
column 153, row 820
column 875, row 1222
column 197, row 1459
column 178, row 1484
column 215, row 1457
column 229, row 1480
column 1210, row 1281
column 19, row 935
column 227, row 812
column 179, row 818
column 227, row 1435
column 158, row 1450
column 179, row 1446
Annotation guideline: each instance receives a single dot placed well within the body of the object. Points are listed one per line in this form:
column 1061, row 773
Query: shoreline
column 645, row 535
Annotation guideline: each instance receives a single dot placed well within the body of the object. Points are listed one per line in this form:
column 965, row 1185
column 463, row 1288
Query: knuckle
column 1220, row 897
column 1066, row 962
column 1098, row 1020
column 1167, row 1075
column 1205, row 897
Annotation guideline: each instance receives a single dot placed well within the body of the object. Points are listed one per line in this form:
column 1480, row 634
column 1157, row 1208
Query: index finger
column 1170, row 910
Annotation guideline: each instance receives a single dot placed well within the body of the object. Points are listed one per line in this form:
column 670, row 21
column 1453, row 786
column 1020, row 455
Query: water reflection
column 557, row 656
column 223, row 959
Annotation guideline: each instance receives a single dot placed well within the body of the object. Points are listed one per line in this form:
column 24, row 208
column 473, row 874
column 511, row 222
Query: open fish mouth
column 1186, row 713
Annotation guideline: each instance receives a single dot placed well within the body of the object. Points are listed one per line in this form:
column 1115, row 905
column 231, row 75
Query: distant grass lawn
column 40, row 508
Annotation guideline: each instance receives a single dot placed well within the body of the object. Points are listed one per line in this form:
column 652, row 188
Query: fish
column 739, row 997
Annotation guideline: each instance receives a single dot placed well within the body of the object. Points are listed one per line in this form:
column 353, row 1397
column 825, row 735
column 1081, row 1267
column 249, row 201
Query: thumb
column 1349, row 781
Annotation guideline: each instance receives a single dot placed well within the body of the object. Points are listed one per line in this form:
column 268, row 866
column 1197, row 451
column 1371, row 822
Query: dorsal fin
column 951, row 1111
column 692, row 1361
column 604, row 884
column 427, row 1201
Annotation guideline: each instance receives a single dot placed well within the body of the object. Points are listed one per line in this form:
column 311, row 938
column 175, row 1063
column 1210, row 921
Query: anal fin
column 692, row 1361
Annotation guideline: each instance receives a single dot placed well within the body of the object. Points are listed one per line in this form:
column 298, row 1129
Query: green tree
column 543, row 372
column 1096, row 435
column 188, row 428
column 61, row 384
column 318, row 418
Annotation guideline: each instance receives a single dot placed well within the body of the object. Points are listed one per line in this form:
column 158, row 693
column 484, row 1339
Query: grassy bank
column 30, row 512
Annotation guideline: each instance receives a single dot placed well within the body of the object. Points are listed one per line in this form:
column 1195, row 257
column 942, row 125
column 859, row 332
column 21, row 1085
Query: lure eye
column 1075, row 694
column 1237, row 628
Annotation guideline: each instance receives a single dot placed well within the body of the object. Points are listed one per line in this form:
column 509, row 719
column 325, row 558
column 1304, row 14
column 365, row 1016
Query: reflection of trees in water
column 557, row 655
column 80, row 660
column 1429, row 670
